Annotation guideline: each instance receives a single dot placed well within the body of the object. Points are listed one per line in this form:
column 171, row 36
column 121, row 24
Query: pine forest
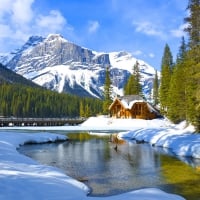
column 179, row 92
column 22, row 101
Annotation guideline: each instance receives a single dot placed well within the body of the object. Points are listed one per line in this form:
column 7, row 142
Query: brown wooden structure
column 12, row 121
column 132, row 106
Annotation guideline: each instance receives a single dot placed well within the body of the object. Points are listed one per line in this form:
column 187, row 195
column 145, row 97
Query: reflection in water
column 117, row 141
column 112, row 166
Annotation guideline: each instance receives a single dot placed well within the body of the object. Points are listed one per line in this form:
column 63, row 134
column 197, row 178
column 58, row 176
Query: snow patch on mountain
column 125, row 61
column 60, row 65
column 58, row 75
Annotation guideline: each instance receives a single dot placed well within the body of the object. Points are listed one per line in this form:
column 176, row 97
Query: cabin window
column 138, row 109
column 118, row 107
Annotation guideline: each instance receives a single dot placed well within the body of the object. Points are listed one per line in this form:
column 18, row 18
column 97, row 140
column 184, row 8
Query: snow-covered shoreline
column 24, row 178
column 180, row 141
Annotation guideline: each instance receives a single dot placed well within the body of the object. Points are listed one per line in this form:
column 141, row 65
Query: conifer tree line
column 179, row 91
column 107, row 96
column 22, row 101
column 133, row 86
column 156, row 89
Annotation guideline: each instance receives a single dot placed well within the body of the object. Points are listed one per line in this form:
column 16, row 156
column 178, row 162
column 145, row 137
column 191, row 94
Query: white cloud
column 15, row 18
column 5, row 7
column 5, row 30
column 22, row 11
column 18, row 21
column 53, row 22
column 137, row 53
column 151, row 55
column 93, row 26
column 179, row 32
column 16, row 11
column 148, row 29
column 140, row 53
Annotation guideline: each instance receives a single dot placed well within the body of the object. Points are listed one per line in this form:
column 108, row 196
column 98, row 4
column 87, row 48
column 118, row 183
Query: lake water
column 108, row 170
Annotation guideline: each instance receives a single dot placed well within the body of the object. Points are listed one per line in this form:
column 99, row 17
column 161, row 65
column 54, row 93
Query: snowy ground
column 23, row 178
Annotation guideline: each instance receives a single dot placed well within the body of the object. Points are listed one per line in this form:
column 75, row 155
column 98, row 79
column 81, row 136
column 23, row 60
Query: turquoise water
column 108, row 170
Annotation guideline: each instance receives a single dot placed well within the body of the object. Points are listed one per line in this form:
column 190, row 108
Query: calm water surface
column 108, row 170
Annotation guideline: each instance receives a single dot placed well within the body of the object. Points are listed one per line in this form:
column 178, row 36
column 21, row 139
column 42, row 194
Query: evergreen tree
column 133, row 86
column 87, row 111
column 129, row 87
column 177, row 90
column 182, row 51
column 166, row 71
column 184, row 97
column 193, row 64
column 177, row 96
column 193, row 86
column 155, row 89
column 136, row 72
column 193, row 21
column 107, row 92
column 197, row 115
column 82, row 112
column 21, row 101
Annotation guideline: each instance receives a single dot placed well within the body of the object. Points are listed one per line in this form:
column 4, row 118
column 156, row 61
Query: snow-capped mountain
column 60, row 65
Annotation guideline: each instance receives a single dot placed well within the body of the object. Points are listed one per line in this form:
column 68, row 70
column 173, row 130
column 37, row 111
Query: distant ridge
column 8, row 76
column 60, row 65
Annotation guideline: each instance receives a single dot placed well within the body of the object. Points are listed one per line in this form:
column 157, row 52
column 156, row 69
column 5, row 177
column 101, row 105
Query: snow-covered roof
column 129, row 100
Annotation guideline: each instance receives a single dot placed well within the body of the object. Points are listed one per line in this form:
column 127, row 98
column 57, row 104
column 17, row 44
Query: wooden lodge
column 132, row 106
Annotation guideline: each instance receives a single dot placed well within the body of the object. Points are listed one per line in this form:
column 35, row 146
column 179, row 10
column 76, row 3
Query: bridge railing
column 19, row 121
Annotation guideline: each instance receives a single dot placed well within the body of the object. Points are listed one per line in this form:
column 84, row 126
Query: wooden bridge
column 12, row 121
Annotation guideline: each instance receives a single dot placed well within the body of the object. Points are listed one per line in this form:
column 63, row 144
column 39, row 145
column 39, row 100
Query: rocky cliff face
column 54, row 50
column 60, row 65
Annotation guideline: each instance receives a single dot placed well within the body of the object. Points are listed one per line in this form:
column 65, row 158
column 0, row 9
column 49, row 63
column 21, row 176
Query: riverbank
column 180, row 139
column 23, row 178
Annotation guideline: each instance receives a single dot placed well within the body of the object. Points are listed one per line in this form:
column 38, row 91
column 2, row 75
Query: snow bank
column 108, row 123
column 23, row 178
column 181, row 141
column 159, row 132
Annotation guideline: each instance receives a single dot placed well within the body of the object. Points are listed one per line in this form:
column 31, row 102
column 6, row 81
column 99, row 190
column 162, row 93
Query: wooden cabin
column 132, row 106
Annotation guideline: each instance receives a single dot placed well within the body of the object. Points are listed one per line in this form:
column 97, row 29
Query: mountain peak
column 31, row 42
column 57, row 64
column 54, row 37
column 34, row 39
column 122, row 53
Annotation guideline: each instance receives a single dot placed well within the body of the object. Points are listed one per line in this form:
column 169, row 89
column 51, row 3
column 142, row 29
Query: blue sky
column 141, row 27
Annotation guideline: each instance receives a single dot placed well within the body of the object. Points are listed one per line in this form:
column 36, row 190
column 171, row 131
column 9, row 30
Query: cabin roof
column 130, row 98
column 128, row 101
